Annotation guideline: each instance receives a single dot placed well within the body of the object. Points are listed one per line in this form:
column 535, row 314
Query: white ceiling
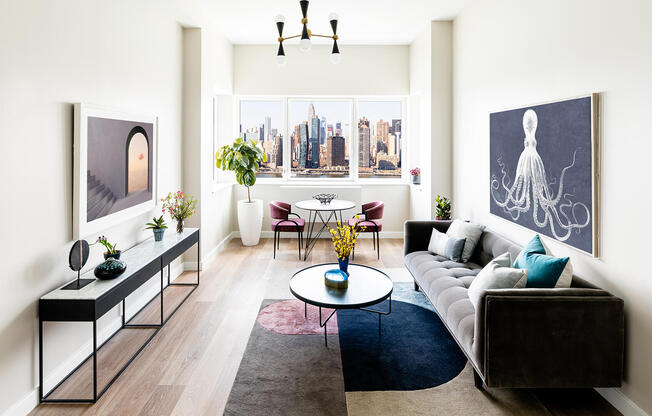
column 361, row 21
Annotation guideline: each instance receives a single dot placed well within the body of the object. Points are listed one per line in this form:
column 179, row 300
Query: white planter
column 250, row 221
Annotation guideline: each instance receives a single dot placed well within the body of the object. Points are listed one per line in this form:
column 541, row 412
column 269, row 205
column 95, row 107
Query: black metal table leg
column 94, row 361
column 380, row 313
column 324, row 325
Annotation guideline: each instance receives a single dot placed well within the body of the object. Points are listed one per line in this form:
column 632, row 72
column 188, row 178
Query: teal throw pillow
column 543, row 270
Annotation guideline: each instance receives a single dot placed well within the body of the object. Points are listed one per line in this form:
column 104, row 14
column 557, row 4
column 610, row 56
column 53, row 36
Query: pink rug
column 287, row 318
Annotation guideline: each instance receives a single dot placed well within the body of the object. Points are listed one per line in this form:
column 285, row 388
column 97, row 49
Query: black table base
column 311, row 239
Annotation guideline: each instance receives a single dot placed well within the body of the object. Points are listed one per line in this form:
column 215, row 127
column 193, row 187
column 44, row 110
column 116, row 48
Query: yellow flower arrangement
column 344, row 238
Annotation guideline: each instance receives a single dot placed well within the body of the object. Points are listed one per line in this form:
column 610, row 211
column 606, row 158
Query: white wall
column 511, row 53
column 117, row 54
column 364, row 70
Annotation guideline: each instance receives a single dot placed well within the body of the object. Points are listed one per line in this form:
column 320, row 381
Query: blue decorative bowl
column 110, row 269
column 336, row 279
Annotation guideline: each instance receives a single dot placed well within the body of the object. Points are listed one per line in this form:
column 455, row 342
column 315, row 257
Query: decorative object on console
column 324, row 199
column 443, row 207
column 158, row 227
column 544, row 271
column 114, row 167
column 558, row 199
column 497, row 274
column 180, row 207
column 243, row 158
column 416, row 176
column 468, row 230
column 344, row 238
column 445, row 245
column 305, row 44
column 110, row 269
column 76, row 260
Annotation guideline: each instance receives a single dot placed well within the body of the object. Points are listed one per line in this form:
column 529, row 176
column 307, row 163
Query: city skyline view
column 320, row 134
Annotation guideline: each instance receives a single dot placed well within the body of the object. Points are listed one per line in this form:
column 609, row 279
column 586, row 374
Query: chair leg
column 378, row 243
column 416, row 286
column 299, row 242
column 477, row 380
column 373, row 236
column 278, row 241
column 275, row 244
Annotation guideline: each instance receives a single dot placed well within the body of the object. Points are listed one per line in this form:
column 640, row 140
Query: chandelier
column 305, row 44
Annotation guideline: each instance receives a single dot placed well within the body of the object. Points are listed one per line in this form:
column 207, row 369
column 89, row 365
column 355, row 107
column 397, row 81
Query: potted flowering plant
column 179, row 206
column 416, row 175
column 111, row 249
column 344, row 238
column 158, row 226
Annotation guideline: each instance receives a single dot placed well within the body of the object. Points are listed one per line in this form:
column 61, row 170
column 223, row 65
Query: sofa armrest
column 416, row 234
column 551, row 338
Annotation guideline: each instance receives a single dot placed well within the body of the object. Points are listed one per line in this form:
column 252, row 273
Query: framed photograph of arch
column 114, row 167
column 544, row 169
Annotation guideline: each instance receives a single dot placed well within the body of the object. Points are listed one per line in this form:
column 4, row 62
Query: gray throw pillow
column 497, row 274
column 468, row 230
column 446, row 246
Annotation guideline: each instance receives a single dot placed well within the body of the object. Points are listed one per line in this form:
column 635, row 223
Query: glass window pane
column 263, row 121
column 320, row 138
column 379, row 139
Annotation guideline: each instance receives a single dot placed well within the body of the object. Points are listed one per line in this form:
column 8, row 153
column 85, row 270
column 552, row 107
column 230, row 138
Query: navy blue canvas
column 563, row 140
column 415, row 351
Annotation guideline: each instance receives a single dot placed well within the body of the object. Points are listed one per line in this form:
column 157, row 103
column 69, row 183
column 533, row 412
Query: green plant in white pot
column 243, row 157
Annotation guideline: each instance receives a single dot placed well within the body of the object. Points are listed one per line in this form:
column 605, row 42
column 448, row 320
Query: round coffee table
column 367, row 287
column 315, row 209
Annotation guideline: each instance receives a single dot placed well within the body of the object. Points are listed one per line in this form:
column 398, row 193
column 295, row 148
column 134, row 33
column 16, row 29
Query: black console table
column 94, row 300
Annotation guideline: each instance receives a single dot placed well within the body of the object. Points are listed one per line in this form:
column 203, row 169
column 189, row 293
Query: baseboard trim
column 325, row 235
column 621, row 402
column 189, row 266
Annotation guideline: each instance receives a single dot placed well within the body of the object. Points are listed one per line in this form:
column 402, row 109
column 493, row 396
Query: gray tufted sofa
column 520, row 338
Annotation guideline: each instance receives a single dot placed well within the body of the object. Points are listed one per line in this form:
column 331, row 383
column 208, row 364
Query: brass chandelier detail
column 305, row 44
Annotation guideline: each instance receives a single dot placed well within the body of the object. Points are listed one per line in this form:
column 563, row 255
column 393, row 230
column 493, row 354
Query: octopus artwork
column 537, row 197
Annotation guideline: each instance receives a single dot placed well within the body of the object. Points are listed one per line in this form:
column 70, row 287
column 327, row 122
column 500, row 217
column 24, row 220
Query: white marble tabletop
column 136, row 257
column 335, row 205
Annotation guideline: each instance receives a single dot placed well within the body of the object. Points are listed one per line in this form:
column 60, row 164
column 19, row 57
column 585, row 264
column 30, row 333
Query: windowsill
column 331, row 183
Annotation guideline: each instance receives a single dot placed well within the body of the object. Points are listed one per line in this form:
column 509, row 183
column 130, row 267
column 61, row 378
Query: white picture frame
column 82, row 225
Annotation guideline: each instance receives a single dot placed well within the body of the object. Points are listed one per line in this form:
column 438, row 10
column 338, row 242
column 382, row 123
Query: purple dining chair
column 372, row 213
column 281, row 222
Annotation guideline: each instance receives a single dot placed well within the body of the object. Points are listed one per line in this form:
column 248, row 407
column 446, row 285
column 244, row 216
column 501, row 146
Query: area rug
column 287, row 370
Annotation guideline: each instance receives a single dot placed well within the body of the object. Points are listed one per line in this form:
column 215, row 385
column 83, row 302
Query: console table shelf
column 91, row 302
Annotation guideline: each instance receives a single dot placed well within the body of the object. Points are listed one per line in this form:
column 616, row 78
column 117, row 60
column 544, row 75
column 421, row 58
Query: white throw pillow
column 468, row 230
column 445, row 245
column 497, row 274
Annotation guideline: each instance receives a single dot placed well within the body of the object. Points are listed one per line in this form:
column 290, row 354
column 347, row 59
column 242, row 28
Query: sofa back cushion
column 492, row 245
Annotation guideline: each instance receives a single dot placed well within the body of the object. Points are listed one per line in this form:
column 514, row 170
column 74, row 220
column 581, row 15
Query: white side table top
column 335, row 205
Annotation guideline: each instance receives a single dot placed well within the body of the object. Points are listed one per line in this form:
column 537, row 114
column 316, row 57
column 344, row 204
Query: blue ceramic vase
column 344, row 265
column 110, row 269
column 112, row 255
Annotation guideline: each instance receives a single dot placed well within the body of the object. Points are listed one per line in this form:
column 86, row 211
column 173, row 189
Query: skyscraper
column 277, row 152
column 314, row 132
column 365, row 139
column 322, row 131
column 268, row 128
column 261, row 133
column 335, row 146
column 314, row 153
column 303, row 145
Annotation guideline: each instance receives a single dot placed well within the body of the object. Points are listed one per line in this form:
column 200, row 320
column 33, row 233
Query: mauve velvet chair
column 280, row 213
column 372, row 221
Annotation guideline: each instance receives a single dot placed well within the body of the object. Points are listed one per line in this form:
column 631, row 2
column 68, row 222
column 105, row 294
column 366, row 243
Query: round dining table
column 317, row 210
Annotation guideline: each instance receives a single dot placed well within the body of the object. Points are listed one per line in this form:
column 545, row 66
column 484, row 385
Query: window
column 379, row 138
column 263, row 121
column 320, row 138
column 336, row 138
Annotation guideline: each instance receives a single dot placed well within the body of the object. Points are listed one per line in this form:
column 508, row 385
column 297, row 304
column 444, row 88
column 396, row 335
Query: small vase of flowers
column 180, row 207
column 111, row 250
column 344, row 238
column 158, row 227
column 416, row 175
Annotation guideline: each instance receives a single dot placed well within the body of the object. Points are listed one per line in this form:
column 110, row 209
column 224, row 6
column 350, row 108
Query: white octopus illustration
column 531, row 190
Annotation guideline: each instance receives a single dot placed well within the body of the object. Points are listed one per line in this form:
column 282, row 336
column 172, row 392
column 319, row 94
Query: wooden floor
column 189, row 366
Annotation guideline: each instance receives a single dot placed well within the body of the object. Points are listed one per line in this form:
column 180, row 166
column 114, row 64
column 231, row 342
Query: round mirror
column 78, row 255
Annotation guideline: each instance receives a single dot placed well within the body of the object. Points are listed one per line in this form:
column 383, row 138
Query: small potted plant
column 344, row 238
column 443, row 207
column 180, row 207
column 244, row 157
column 416, row 175
column 158, row 227
column 111, row 250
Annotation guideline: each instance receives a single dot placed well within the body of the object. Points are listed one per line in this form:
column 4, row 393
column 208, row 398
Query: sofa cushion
column 497, row 274
column 445, row 245
column 471, row 232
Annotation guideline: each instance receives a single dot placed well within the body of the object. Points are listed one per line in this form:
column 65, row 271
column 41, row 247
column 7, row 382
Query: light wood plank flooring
column 189, row 366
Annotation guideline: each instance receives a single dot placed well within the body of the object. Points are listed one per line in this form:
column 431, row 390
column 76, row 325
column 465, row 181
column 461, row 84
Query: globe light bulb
column 333, row 16
column 305, row 45
column 279, row 18
column 336, row 58
column 281, row 60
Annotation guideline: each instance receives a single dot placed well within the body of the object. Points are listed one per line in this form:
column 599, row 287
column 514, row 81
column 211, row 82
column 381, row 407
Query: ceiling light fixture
column 305, row 43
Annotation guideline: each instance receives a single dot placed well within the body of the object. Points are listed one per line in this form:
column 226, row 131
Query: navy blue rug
column 414, row 351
